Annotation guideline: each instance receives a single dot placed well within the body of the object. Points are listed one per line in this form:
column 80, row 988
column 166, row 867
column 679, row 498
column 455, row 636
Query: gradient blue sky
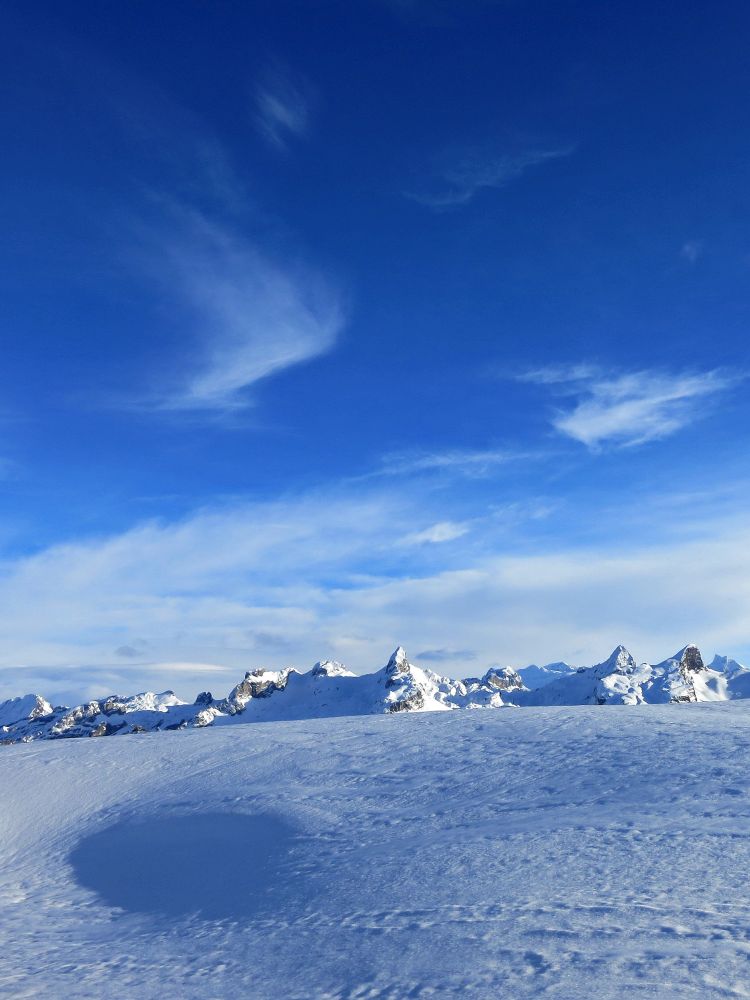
column 328, row 326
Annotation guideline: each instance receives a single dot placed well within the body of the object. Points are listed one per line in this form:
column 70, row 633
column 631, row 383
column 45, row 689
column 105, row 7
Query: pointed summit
column 688, row 658
column 30, row 706
column 620, row 661
column 691, row 659
column 726, row 665
column 398, row 663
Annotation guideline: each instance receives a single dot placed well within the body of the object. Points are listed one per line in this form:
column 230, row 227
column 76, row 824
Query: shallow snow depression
column 564, row 852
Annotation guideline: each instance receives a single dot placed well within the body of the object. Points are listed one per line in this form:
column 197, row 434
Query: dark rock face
column 204, row 698
column 690, row 664
column 113, row 705
column 692, row 661
column 411, row 704
column 503, row 679
column 258, row 684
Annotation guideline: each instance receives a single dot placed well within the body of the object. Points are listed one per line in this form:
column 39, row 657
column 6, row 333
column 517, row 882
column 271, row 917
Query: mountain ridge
column 329, row 689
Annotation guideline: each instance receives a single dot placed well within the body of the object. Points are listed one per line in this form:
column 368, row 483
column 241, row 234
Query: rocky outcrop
column 257, row 684
column 503, row 679
column 691, row 660
column 413, row 702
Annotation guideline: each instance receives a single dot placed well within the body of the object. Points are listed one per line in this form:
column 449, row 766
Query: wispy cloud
column 474, row 171
column 243, row 312
column 562, row 374
column 442, row 531
column 628, row 409
column 246, row 315
column 282, row 107
column 460, row 462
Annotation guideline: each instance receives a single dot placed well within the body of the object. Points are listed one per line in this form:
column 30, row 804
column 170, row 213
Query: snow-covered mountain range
column 329, row 690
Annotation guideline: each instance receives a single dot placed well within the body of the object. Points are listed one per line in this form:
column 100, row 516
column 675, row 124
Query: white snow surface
column 559, row 852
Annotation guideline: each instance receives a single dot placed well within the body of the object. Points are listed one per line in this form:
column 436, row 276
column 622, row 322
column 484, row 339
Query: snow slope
column 535, row 676
column 557, row 852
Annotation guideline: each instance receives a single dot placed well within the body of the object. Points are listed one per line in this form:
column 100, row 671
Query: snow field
column 557, row 852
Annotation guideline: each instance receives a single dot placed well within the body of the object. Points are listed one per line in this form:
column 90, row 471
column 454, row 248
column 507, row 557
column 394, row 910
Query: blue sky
column 329, row 326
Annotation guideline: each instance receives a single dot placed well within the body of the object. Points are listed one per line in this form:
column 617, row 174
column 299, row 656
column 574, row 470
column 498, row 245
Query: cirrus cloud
column 630, row 408
column 464, row 175
column 246, row 315
column 282, row 107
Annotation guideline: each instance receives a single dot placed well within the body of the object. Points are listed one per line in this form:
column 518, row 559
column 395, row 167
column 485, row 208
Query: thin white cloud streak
column 442, row 531
column 247, row 316
column 282, row 107
column 569, row 375
column 289, row 582
column 469, row 463
column 473, row 172
column 625, row 410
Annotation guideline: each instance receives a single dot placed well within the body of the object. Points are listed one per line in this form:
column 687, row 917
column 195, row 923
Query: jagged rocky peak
column 503, row 679
column 690, row 658
column 726, row 665
column 41, row 707
column 620, row 661
column 258, row 683
column 330, row 668
column 28, row 706
column 398, row 663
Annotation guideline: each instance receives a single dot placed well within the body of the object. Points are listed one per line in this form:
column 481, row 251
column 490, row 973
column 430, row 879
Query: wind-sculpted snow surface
column 563, row 852
column 329, row 690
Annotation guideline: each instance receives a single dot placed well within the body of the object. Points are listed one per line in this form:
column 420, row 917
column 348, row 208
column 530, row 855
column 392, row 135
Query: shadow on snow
column 215, row 865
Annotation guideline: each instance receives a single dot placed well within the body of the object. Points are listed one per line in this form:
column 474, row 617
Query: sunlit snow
column 561, row 852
